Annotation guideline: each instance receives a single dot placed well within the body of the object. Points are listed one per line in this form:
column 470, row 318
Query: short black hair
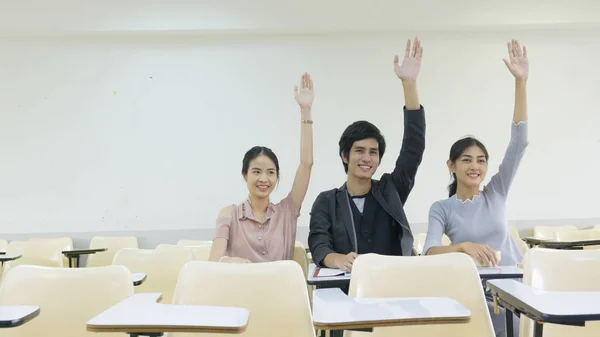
column 357, row 131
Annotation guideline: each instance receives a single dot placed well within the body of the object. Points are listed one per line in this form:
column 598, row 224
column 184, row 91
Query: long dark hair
column 255, row 152
column 457, row 150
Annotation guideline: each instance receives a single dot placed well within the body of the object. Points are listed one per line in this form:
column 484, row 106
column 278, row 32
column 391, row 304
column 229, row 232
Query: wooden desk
column 542, row 306
column 334, row 310
column 14, row 315
column 140, row 314
column 75, row 254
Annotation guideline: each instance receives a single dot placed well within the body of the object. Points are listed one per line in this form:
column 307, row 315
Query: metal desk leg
column 509, row 322
column 538, row 329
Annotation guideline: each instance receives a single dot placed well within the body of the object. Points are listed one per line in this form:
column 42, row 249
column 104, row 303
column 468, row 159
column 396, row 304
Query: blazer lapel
column 343, row 202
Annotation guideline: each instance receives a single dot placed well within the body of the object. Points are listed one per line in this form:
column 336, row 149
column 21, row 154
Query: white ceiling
column 41, row 17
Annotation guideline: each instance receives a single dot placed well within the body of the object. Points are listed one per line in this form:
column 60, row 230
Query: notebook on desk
column 329, row 272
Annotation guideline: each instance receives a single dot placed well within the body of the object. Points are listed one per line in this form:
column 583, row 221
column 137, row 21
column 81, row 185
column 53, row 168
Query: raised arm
column 413, row 142
column 304, row 97
column 518, row 65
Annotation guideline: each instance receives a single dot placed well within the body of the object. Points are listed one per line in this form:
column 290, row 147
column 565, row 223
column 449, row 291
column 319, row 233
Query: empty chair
column 67, row 297
column 419, row 242
column 547, row 232
column 3, row 245
column 112, row 245
column 161, row 267
column 15, row 247
column 274, row 293
column 65, row 243
column 581, row 235
column 38, row 252
column 518, row 241
column 596, row 226
column 446, row 240
column 187, row 243
column 562, row 270
column 452, row 275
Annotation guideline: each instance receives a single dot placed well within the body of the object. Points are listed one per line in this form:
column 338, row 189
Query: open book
column 329, row 272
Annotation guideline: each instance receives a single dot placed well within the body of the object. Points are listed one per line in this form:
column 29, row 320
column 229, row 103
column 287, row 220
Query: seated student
column 366, row 215
column 257, row 230
column 474, row 219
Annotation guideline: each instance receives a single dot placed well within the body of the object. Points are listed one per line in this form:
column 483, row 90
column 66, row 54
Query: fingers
column 507, row 62
column 416, row 46
column 296, row 91
column 407, row 50
column 310, row 83
column 524, row 51
column 491, row 255
column 483, row 258
column 419, row 52
column 517, row 48
column 353, row 255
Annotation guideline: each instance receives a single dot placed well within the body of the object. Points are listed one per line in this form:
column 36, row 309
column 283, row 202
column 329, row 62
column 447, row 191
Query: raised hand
column 518, row 64
column 409, row 69
column 305, row 95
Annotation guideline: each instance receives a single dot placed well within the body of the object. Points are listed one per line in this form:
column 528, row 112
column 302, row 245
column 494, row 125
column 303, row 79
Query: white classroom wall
column 146, row 131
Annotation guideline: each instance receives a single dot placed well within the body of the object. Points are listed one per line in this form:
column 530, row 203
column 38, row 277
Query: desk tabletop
column 548, row 306
column 342, row 279
column 83, row 251
column 500, row 272
column 15, row 315
column 141, row 314
column 551, row 243
column 138, row 278
column 334, row 310
column 6, row 257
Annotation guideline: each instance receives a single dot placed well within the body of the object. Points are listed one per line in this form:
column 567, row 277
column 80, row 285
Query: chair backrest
column 112, row 245
column 3, row 245
column 67, row 297
column 446, row 240
column 15, row 247
column 196, row 243
column 274, row 293
column 514, row 233
column 65, row 243
column 562, row 270
column 452, row 275
column 200, row 253
column 37, row 252
column 596, row 226
column 548, row 232
column 300, row 257
column 161, row 267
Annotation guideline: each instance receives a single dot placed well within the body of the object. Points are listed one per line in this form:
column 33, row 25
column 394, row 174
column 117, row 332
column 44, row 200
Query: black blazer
column 331, row 222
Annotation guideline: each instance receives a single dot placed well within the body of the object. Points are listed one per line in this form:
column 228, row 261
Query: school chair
column 274, row 293
column 160, row 265
column 3, row 245
column 67, row 297
column 419, row 242
column 112, row 245
column 15, row 247
column 66, row 243
column 34, row 252
column 201, row 253
column 561, row 270
column 452, row 275
column 547, row 232
column 523, row 248
column 596, row 226
column 188, row 243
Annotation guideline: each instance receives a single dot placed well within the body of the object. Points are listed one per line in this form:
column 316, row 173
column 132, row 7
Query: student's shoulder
column 442, row 204
column 227, row 211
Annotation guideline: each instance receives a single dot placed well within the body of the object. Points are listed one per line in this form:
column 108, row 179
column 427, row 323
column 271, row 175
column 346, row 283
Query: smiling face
column 470, row 167
column 363, row 158
column 261, row 177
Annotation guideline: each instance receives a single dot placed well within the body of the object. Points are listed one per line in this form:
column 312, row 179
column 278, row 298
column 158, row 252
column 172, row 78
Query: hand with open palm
column 518, row 64
column 409, row 69
column 305, row 95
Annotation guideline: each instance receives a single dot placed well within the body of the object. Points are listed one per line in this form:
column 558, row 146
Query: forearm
column 445, row 249
column 329, row 260
column 520, row 112
column 411, row 95
column 306, row 138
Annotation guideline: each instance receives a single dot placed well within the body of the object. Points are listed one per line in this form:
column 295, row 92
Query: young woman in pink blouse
column 257, row 230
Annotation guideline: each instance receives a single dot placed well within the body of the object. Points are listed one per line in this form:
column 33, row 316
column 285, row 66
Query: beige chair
column 196, row 243
column 514, row 233
column 274, row 293
column 548, row 232
column 200, row 253
column 580, row 235
column 452, row 275
column 112, row 245
column 15, row 247
column 65, row 243
column 419, row 242
column 596, row 226
column 562, row 270
column 3, row 245
column 161, row 267
column 446, row 240
column 67, row 297
column 38, row 252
